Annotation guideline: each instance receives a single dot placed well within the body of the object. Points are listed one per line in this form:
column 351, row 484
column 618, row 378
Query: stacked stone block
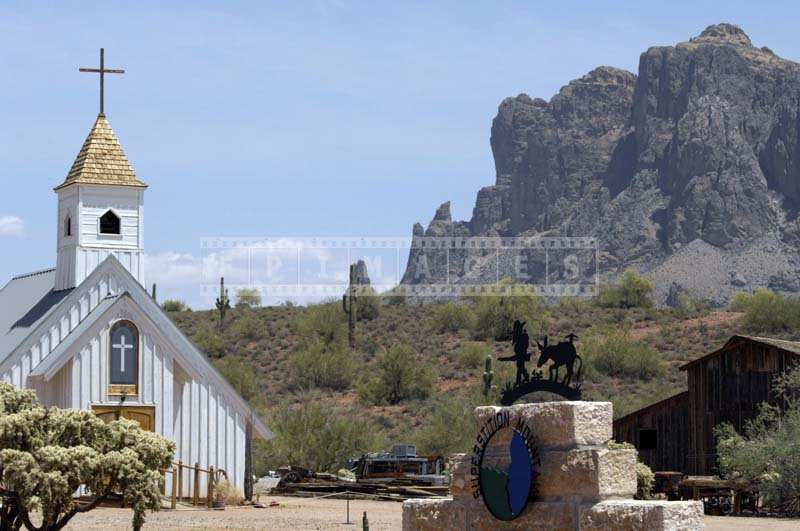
column 583, row 484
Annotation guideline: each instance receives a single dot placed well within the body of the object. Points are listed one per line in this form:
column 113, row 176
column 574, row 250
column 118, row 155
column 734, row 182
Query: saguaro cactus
column 488, row 376
column 350, row 307
column 223, row 302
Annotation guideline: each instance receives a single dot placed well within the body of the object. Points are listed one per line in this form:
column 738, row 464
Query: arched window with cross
column 123, row 358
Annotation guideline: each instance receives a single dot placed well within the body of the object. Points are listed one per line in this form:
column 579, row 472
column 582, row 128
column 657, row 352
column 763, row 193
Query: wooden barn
column 677, row 434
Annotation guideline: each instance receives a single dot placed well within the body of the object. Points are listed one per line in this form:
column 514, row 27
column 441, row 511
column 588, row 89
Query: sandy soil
column 300, row 514
column 294, row 514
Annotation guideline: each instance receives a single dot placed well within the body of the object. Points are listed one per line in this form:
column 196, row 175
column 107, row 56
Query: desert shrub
column 612, row 352
column 210, row 342
column 399, row 376
column 172, row 305
column 242, row 377
column 452, row 317
column 46, row 454
column 739, row 302
column 767, row 453
column 644, row 481
column 472, row 354
column 495, row 314
column 448, row 427
column 247, row 326
column 631, row 291
column 368, row 306
column 394, row 297
column 325, row 322
column 767, row 311
column 228, row 492
column 314, row 435
column 248, row 298
column 316, row 364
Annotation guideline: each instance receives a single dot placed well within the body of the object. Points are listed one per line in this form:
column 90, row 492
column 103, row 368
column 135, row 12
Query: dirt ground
column 301, row 514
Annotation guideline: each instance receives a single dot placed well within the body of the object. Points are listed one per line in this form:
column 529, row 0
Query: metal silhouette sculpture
column 563, row 354
column 520, row 340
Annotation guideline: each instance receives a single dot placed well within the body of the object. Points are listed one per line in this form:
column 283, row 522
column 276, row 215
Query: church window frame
column 124, row 386
column 109, row 223
column 68, row 226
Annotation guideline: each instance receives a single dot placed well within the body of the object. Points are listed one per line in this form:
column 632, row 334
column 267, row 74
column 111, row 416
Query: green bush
column 448, row 427
column 325, row 322
column 323, row 366
column 399, row 376
column 247, row 326
column 767, row 453
column 248, row 297
column 472, row 354
column 452, row 317
column 768, row 312
column 495, row 314
column 210, row 342
column 171, row 305
column 631, row 291
column 368, row 306
column 313, row 435
column 242, row 377
column 644, row 481
column 614, row 353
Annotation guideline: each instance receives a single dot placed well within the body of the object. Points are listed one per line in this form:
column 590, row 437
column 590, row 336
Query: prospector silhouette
column 520, row 340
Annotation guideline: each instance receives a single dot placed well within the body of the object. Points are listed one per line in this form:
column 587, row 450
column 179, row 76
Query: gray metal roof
column 24, row 302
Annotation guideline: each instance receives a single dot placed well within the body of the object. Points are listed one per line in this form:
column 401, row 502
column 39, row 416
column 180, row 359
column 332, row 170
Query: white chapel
column 87, row 334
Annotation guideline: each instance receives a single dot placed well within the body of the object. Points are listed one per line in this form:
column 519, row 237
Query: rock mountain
column 688, row 171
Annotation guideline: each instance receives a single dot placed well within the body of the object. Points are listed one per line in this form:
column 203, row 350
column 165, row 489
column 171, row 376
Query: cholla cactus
column 223, row 302
column 488, row 376
column 350, row 307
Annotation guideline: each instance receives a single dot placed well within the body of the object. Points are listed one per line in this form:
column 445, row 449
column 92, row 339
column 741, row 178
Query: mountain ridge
column 688, row 170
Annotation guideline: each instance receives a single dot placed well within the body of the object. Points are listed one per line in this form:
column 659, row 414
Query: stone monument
column 546, row 466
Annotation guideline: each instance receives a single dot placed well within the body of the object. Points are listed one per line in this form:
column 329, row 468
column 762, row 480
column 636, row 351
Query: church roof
column 24, row 302
column 101, row 160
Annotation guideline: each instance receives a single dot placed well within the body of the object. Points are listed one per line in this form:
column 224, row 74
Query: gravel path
column 294, row 514
column 301, row 514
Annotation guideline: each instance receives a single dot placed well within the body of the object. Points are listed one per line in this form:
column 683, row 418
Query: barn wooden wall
column 670, row 420
column 728, row 387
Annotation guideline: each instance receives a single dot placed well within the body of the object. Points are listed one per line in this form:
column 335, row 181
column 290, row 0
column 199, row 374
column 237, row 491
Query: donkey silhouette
column 563, row 353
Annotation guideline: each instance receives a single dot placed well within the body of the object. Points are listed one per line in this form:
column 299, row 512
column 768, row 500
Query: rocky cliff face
column 688, row 171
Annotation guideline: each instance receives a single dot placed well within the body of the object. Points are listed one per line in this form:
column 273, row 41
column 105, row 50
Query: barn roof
column 788, row 346
column 24, row 302
column 101, row 160
column 654, row 405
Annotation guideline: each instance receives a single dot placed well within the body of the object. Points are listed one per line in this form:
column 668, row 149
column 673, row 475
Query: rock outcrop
column 688, row 171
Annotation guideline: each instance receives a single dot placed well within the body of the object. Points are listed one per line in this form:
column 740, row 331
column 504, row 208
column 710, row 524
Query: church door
column 145, row 416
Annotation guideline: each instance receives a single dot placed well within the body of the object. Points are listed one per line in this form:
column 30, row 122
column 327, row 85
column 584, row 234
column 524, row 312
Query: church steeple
column 100, row 209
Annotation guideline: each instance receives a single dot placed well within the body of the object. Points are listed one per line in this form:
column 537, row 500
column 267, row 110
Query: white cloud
column 11, row 226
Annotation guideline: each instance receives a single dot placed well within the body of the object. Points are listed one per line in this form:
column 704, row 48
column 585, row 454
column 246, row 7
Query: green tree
column 313, row 435
column 242, row 377
column 172, row 305
column 316, row 364
column 448, row 427
column 472, row 354
column 210, row 342
column 46, row 454
column 767, row 312
column 767, row 453
column 248, row 298
column 399, row 376
column 614, row 353
column 631, row 291
column 495, row 314
column 452, row 317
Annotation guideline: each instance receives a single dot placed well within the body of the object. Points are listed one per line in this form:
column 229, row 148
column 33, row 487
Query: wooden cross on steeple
column 102, row 71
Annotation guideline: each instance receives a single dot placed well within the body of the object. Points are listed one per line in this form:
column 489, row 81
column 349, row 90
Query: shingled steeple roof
column 101, row 160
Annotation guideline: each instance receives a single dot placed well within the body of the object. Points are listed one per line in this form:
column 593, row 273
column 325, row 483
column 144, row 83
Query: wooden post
column 164, row 482
column 210, row 489
column 172, row 502
column 196, row 490
column 180, row 479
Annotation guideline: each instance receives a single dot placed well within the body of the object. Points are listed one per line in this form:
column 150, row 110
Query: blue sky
column 297, row 119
